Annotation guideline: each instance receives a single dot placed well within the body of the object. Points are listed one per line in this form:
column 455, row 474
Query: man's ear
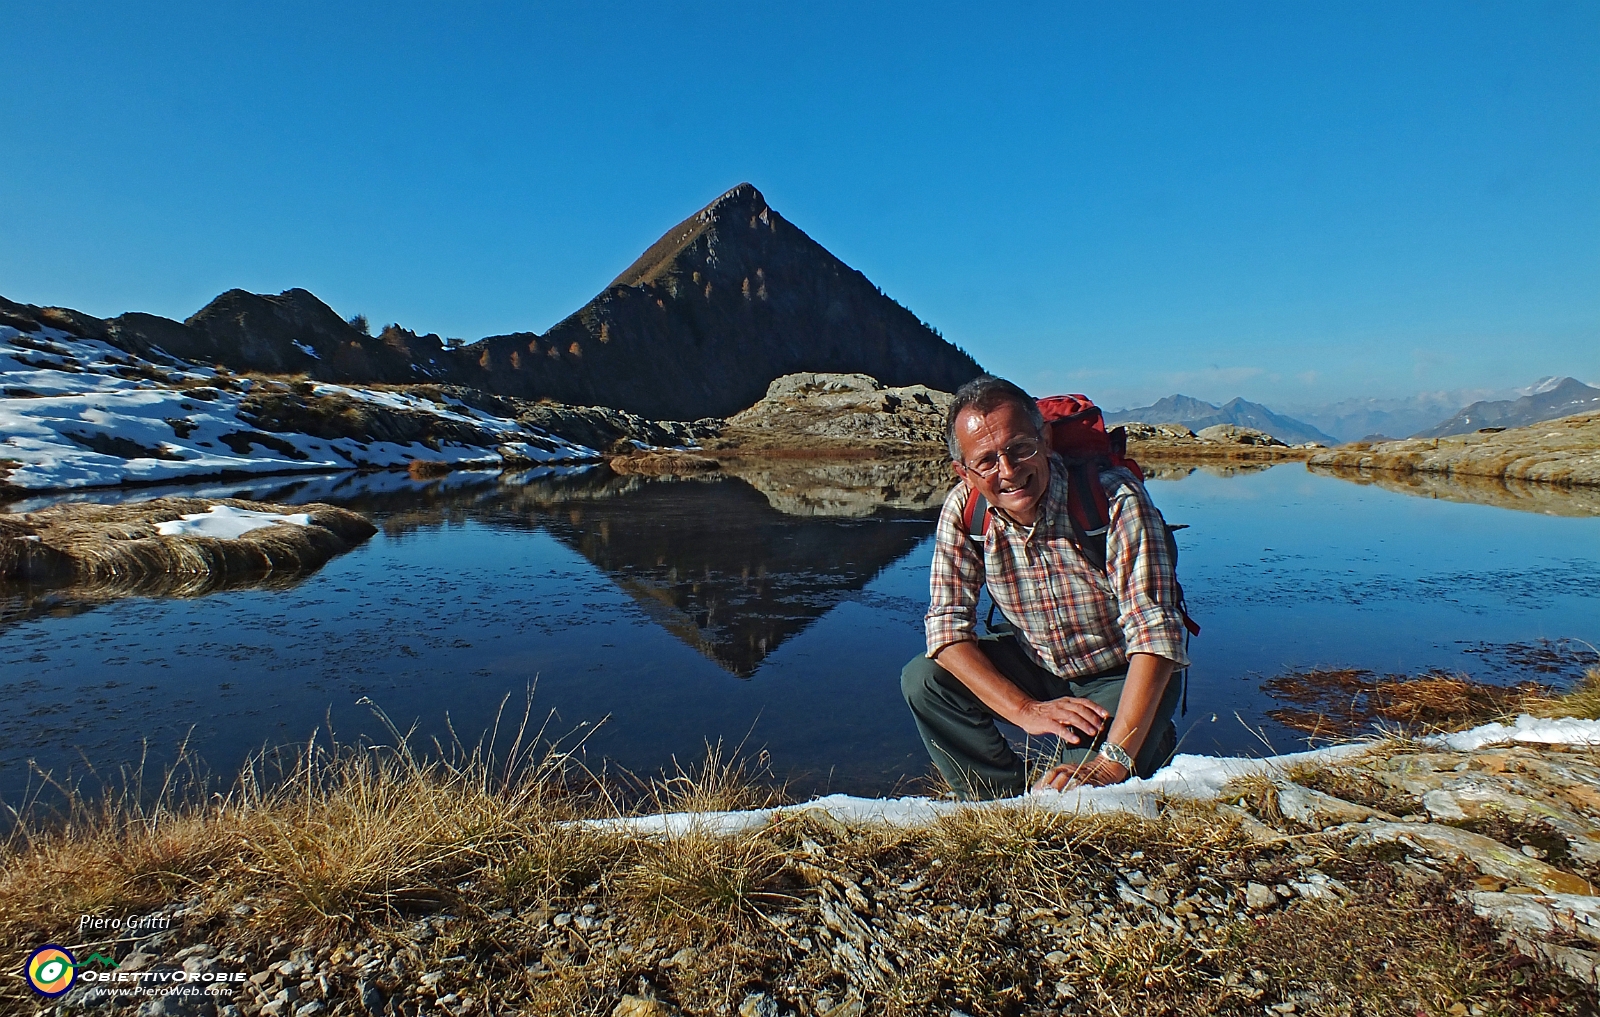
column 959, row 470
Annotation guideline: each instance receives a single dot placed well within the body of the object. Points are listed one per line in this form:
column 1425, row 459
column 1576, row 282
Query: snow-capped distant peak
column 1542, row 386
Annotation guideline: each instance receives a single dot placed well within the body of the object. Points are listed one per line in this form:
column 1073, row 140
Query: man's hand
column 1068, row 718
column 1096, row 771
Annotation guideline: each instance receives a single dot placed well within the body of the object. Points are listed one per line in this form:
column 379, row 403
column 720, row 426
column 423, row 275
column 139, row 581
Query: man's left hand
column 1096, row 771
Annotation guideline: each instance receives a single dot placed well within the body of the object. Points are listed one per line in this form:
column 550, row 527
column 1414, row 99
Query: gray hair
column 984, row 394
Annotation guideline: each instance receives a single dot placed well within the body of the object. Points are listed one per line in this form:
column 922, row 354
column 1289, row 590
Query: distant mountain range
column 1549, row 398
column 1196, row 414
column 725, row 302
column 1393, row 416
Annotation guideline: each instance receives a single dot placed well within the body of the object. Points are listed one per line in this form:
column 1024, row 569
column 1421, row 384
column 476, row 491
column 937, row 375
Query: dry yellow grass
column 1583, row 700
column 1345, row 702
column 340, row 850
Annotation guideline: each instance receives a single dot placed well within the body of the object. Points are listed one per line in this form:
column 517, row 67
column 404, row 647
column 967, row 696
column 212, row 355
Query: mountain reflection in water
column 638, row 599
column 710, row 560
column 723, row 570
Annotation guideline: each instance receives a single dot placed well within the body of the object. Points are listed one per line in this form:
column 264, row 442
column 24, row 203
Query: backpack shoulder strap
column 975, row 516
column 975, row 520
column 1088, row 507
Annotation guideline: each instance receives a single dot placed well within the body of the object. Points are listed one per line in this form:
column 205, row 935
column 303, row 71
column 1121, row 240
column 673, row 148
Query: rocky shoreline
column 1563, row 452
column 1444, row 875
column 172, row 546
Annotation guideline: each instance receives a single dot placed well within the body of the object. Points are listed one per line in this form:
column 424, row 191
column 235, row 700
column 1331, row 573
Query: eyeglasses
column 1016, row 453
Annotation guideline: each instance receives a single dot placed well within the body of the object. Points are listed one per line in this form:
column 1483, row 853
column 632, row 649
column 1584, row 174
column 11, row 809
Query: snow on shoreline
column 1186, row 776
column 77, row 413
column 227, row 523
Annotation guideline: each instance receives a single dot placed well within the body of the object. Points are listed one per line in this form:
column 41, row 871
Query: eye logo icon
column 51, row 970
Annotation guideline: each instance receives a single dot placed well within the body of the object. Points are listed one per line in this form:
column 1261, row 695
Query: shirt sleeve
column 1142, row 571
column 956, row 579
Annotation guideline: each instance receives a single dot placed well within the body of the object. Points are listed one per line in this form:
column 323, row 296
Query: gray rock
column 1490, row 856
column 1258, row 897
column 1233, row 434
column 371, row 997
column 683, row 958
column 177, row 1006
column 759, row 1004
column 1140, row 431
column 1317, row 810
column 847, row 408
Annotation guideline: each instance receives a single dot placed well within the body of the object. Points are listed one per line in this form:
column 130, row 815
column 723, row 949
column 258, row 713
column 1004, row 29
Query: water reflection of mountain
column 1502, row 492
column 717, row 566
column 710, row 560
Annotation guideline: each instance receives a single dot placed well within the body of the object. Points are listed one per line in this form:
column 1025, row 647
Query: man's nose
column 1004, row 467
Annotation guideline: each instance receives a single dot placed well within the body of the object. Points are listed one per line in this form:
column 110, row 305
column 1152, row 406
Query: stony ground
column 1411, row 880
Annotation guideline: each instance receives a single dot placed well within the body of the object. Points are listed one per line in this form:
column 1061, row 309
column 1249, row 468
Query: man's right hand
column 1075, row 721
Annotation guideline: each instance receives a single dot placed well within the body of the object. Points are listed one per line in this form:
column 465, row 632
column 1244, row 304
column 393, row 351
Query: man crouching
column 1091, row 653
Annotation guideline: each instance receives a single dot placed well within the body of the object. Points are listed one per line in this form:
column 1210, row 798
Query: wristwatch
column 1117, row 754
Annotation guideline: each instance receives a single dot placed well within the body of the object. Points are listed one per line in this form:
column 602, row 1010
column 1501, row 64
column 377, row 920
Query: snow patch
column 1526, row 728
column 1186, row 776
column 227, row 522
column 77, row 413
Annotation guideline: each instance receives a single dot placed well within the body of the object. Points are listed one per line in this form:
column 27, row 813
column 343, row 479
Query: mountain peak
column 1546, row 399
column 727, row 300
column 1547, row 384
column 741, row 202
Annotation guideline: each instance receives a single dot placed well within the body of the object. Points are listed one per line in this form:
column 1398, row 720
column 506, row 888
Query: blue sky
column 1290, row 202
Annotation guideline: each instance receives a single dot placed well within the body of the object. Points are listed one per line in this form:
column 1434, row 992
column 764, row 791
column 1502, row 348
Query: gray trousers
column 966, row 745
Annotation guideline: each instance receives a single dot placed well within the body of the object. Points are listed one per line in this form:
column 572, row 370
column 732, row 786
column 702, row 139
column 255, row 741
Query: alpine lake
column 638, row 620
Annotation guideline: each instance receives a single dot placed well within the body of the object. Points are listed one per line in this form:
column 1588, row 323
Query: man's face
column 1016, row 488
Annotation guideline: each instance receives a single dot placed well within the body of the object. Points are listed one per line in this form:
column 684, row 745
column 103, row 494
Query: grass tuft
column 1583, row 700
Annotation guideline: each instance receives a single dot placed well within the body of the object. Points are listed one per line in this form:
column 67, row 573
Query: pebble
column 683, row 958
column 1258, row 897
column 371, row 997
column 643, row 1006
column 759, row 1004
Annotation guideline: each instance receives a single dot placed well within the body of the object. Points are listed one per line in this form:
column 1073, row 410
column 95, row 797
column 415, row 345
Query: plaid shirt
column 1070, row 618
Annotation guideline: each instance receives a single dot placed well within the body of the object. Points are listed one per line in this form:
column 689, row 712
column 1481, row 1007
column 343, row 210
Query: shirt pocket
column 1084, row 589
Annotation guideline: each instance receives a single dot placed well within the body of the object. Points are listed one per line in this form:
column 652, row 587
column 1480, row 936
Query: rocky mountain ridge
column 1550, row 399
column 1197, row 415
column 730, row 299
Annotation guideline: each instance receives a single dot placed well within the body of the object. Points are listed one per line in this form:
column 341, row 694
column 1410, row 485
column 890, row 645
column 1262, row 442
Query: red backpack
column 1075, row 430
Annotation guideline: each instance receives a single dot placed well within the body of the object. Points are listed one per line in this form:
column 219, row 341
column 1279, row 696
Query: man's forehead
column 998, row 426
